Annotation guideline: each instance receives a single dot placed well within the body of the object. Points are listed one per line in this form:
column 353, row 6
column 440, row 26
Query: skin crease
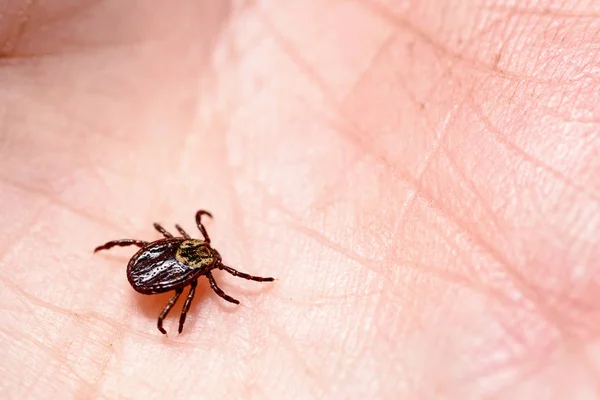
column 420, row 177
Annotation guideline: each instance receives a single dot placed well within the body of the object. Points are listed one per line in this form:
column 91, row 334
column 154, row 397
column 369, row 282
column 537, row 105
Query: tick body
column 172, row 263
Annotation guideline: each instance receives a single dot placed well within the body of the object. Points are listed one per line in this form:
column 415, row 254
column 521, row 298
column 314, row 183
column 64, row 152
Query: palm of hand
column 430, row 240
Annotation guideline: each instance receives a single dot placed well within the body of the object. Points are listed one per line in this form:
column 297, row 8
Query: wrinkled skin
column 422, row 178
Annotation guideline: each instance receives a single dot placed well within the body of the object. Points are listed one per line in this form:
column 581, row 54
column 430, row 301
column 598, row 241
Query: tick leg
column 122, row 243
column 162, row 230
column 183, row 233
column 187, row 304
column 218, row 290
column 167, row 308
column 244, row 275
column 199, row 215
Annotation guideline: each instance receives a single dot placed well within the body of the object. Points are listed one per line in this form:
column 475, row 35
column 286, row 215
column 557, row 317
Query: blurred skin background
column 422, row 177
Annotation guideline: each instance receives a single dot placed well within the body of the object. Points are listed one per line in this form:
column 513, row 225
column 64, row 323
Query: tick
column 174, row 262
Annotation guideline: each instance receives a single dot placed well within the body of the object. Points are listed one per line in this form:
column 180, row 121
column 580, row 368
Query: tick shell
column 170, row 263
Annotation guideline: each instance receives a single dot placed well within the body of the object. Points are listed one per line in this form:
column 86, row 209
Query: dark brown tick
column 173, row 263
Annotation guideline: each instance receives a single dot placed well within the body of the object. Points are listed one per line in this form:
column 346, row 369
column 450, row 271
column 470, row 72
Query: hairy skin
column 421, row 177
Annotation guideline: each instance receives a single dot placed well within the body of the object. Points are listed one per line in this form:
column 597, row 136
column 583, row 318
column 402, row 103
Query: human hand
column 422, row 180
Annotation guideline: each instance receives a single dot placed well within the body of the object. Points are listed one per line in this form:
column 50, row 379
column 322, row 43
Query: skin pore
column 421, row 177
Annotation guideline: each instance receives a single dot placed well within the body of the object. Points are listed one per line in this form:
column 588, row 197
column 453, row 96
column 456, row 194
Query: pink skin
column 422, row 179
